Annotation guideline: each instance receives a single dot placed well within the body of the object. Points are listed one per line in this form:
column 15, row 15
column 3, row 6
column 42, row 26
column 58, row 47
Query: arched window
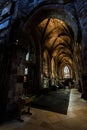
column 26, row 71
column 66, row 72
column 27, row 56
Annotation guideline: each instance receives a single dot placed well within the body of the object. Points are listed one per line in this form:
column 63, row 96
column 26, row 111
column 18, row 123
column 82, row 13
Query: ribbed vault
column 58, row 40
column 53, row 32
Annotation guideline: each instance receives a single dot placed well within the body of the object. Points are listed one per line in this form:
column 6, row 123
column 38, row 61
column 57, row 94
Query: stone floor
column 76, row 118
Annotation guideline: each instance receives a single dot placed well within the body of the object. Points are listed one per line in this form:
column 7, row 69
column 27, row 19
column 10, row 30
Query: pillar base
column 84, row 96
column 84, row 87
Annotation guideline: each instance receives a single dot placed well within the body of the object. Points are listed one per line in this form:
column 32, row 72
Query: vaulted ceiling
column 56, row 37
column 57, row 40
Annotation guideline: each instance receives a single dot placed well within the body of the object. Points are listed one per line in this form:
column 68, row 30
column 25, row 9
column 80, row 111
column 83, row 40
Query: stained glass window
column 6, row 9
column 27, row 56
column 26, row 71
column 66, row 72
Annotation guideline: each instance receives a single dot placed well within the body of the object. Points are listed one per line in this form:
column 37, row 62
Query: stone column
column 4, row 68
column 84, row 76
column 82, row 21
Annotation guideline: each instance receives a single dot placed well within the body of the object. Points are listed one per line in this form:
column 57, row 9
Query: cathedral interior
column 43, row 45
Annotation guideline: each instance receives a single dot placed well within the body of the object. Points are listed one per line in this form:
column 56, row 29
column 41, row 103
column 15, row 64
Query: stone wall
column 81, row 8
column 12, row 60
column 16, row 72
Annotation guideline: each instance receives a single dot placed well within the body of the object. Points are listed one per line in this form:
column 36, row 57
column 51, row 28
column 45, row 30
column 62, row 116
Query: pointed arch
column 66, row 71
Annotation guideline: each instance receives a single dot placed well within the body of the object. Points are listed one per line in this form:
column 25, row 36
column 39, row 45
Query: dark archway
column 48, row 13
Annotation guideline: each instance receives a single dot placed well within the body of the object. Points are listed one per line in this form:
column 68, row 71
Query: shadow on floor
column 56, row 101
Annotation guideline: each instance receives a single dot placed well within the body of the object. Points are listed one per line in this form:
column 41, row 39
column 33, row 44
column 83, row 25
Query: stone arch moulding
column 71, row 69
column 52, row 11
